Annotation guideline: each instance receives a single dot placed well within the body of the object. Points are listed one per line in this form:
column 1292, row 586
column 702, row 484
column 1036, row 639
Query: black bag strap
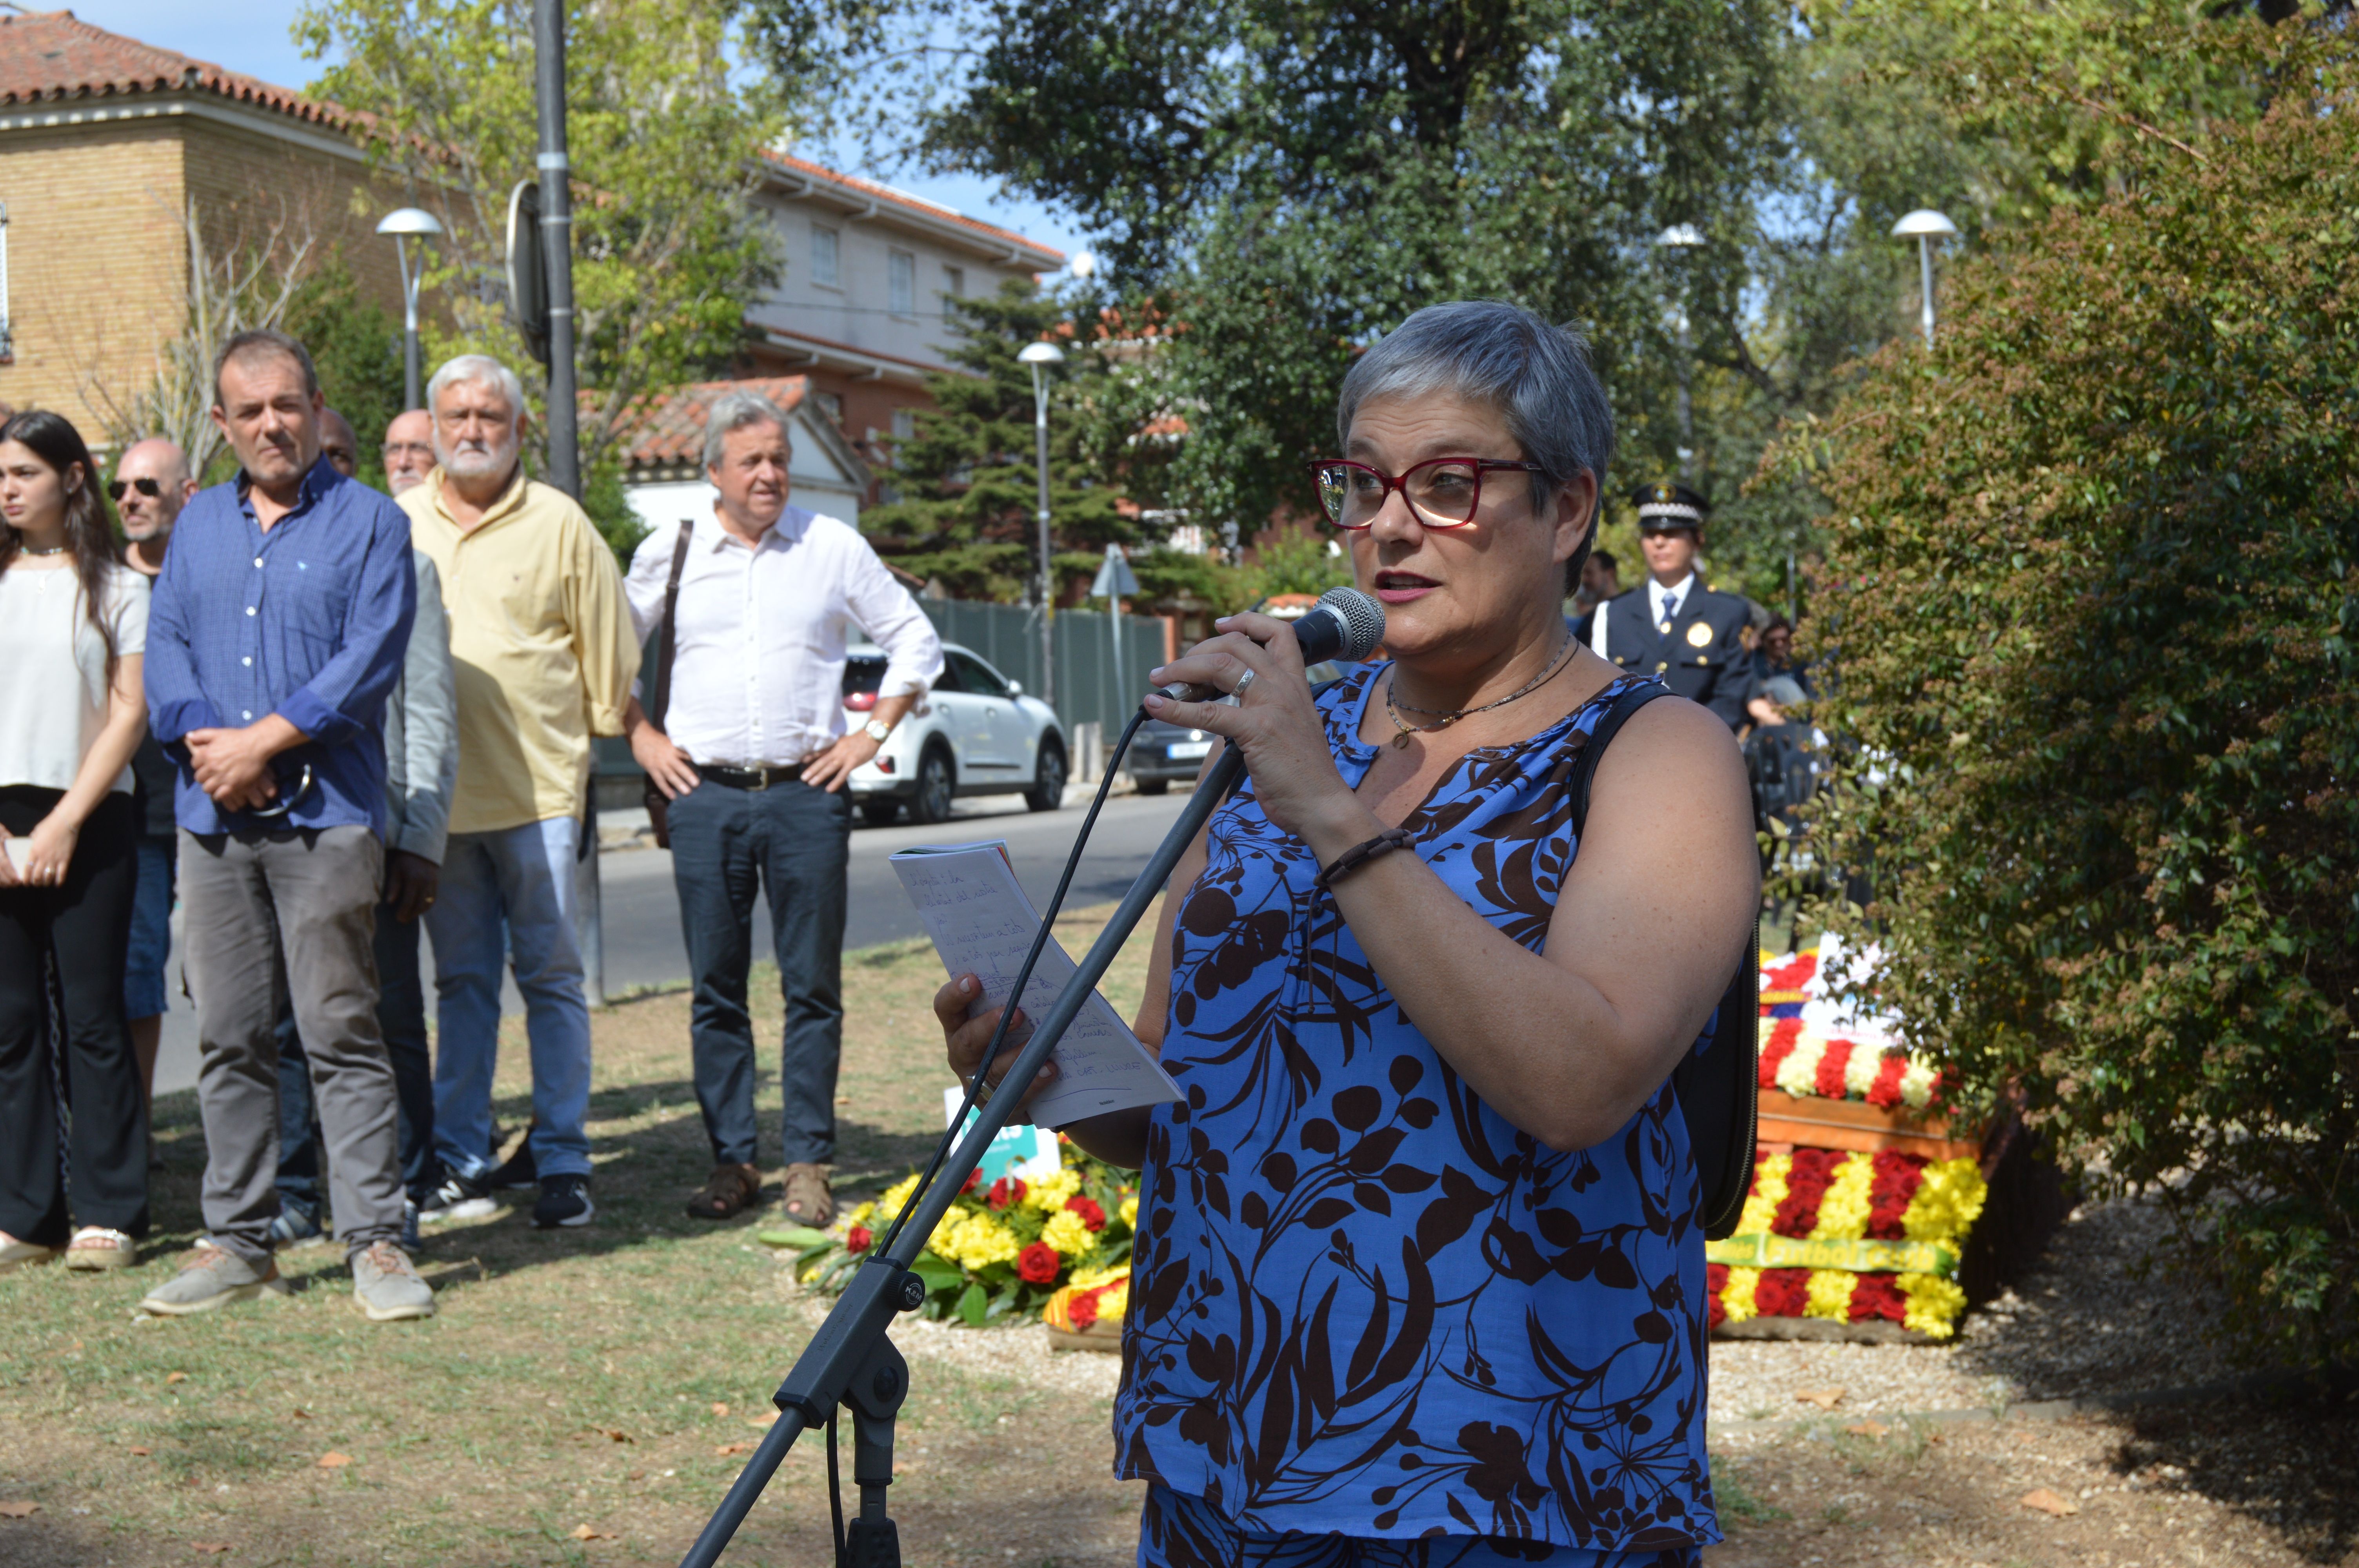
column 665, row 639
column 1719, row 1091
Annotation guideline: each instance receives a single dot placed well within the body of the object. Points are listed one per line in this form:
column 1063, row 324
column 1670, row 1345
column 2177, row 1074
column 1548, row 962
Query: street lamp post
column 405, row 224
column 1039, row 356
column 1925, row 226
column 1684, row 237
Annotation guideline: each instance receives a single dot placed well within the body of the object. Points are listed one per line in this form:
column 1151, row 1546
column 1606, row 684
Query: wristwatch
column 876, row 730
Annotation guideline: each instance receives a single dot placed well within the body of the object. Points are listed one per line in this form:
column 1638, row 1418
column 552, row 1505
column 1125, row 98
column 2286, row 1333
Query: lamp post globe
column 1038, row 357
column 407, row 223
column 1684, row 237
column 1924, row 226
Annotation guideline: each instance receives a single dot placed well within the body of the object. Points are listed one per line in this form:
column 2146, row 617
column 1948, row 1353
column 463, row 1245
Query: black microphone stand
column 850, row 1360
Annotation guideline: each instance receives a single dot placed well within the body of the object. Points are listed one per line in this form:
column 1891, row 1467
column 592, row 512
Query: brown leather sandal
column 727, row 1193
column 809, row 1200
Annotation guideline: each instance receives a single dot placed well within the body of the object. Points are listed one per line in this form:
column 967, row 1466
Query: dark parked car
column 1161, row 753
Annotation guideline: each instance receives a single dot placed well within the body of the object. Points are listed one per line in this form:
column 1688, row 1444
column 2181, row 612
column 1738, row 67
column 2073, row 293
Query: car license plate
column 1180, row 751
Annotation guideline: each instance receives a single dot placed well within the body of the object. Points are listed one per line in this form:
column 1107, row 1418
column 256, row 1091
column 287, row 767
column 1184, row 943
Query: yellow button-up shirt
column 541, row 649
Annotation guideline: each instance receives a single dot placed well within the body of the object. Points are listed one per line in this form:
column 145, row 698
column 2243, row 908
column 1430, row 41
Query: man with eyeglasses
column 408, row 450
column 421, row 764
column 151, row 484
column 542, row 654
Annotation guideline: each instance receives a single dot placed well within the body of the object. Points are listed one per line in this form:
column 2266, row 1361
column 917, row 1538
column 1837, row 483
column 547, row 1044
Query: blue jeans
column 401, row 1015
column 523, row 876
column 796, row 842
column 151, row 928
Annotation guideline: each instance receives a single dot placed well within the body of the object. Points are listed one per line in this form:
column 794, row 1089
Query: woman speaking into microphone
column 1418, row 1280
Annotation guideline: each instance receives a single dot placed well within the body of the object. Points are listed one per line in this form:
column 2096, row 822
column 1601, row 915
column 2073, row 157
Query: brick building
column 107, row 145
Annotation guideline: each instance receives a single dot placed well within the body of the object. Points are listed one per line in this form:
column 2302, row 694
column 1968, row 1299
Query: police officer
column 1671, row 626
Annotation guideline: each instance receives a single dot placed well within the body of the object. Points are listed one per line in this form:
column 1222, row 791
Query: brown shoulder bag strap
column 660, row 701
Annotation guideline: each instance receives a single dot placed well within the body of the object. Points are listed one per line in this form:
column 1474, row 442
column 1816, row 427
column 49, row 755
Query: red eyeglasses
column 1444, row 493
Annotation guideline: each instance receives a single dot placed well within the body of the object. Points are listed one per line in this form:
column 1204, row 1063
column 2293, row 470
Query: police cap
column 1663, row 506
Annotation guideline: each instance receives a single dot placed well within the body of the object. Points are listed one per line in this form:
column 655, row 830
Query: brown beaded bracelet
column 1358, row 855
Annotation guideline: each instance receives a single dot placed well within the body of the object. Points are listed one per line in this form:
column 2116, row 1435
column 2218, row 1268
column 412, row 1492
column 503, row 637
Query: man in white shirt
column 747, row 743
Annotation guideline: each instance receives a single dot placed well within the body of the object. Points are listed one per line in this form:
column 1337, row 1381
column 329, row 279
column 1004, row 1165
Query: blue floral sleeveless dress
column 1363, row 1303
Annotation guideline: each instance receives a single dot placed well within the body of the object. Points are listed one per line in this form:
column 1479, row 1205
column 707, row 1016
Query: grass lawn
column 574, row 1383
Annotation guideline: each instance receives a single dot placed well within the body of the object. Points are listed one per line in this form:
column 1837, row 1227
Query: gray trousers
column 310, row 896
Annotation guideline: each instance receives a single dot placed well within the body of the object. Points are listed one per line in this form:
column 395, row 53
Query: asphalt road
column 642, row 913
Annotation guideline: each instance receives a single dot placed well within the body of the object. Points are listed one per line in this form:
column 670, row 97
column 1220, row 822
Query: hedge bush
column 2093, row 598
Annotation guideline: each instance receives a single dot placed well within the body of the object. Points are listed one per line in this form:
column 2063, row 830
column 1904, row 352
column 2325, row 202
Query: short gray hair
column 735, row 411
column 1487, row 350
column 475, row 370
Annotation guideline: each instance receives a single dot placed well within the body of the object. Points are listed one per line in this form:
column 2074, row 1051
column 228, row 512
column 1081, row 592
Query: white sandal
column 96, row 1247
column 15, row 1254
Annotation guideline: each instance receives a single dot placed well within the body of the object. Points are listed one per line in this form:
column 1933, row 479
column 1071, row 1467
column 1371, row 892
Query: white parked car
column 975, row 733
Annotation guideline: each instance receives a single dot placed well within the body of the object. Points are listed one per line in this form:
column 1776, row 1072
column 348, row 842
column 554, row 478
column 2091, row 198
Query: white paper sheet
column 982, row 924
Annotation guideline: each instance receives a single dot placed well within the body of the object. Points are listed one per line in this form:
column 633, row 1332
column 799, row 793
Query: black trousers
column 86, row 924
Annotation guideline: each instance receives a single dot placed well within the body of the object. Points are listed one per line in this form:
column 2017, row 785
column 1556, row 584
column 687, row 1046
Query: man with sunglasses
column 151, row 484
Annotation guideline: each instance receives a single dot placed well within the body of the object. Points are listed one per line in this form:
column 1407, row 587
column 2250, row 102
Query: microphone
column 1344, row 624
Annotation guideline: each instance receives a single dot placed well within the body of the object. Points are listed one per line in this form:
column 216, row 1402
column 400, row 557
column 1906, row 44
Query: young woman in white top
column 73, row 628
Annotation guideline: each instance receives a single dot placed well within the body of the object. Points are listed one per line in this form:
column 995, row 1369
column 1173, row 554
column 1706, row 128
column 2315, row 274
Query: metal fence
column 1088, row 689
column 1008, row 637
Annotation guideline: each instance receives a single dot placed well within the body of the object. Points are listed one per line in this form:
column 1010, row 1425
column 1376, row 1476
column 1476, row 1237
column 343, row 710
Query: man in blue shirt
column 276, row 631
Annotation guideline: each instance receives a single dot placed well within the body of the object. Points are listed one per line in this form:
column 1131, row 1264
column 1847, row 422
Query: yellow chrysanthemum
column 979, row 1241
column 895, row 1197
column 1049, row 1194
column 1130, row 1211
column 1737, row 1297
column 1067, row 1234
column 1948, row 1201
column 1843, row 1209
column 1090, row 1279
column 1829, row 1292
column 1768, row 1191
column 1934, row 1304
column 861, row 1216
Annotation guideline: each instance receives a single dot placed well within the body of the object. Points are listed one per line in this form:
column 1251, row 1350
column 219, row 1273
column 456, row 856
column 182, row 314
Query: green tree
column 356, row 347
column 2094, row 582
column 966, row 487
column 667, row 252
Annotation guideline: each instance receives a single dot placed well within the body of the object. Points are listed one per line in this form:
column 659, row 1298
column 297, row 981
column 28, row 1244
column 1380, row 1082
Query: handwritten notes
column 982, row 924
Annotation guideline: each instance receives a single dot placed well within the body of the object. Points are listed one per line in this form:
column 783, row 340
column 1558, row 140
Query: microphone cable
column 1023, row 979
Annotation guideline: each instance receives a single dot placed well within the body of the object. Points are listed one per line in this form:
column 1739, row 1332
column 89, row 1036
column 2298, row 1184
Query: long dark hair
column 89, row 525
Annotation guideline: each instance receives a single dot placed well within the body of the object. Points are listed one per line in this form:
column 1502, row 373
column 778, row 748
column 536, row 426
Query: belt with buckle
column 749, row 778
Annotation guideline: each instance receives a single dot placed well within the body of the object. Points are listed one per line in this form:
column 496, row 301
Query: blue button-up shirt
column 308, row 619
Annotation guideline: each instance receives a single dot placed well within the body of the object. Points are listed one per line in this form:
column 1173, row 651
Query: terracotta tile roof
column 667, row 428
column 53, row 56
column 908, row 203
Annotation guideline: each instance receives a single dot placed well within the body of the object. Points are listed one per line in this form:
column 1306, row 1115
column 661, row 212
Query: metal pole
column 564, row 412
column 409, row 282
column 1048, row 567
column 1687, row 403
column 1122, row 703
column 1925, row 261
column 557, row 244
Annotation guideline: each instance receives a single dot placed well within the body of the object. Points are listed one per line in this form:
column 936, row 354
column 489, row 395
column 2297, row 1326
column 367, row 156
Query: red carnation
column 1715, row 1282
column 1878, row 1296
column 1082, row 1308
column 1782, row 1037
column 1806, row 1185
column 1833, row 1063
column 1783, row 1292
column 1005, row 1191
column 1885, row 1093
column 860, row 1239
column 1037, row 1264
column 974, row 1180
column 1092, row 1215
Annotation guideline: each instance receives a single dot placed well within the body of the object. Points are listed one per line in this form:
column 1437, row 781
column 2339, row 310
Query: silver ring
column 1244, row 681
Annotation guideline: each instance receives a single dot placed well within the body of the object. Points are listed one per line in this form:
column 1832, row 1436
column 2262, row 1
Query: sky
column 252, row 38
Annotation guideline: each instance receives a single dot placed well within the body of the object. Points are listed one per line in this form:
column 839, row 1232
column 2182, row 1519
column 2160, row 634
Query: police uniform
column 1699, row 652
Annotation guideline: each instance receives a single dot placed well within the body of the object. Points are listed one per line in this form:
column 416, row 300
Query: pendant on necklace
column 1400, row 741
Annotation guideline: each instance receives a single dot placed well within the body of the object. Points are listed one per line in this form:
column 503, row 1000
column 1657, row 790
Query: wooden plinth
column 1864, row 1129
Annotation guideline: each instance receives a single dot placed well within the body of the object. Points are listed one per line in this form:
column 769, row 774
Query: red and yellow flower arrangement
column 1004, row 1251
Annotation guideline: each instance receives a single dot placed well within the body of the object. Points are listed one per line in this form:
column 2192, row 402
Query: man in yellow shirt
column 543, row 656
